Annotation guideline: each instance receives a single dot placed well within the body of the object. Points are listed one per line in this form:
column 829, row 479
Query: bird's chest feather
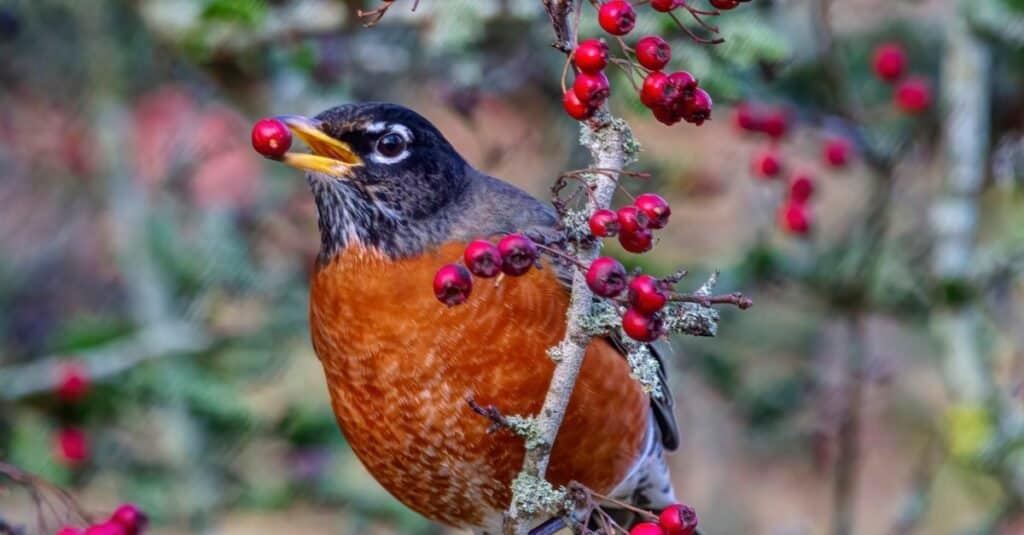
column 400, row 366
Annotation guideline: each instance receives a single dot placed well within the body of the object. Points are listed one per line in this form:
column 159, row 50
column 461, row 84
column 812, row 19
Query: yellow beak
column 330, row 156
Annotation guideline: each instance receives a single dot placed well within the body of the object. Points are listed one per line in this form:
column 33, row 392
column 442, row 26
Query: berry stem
column 736, row 299
column 696, row 38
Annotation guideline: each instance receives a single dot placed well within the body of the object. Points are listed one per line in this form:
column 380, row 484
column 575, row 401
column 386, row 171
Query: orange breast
column 400, row 365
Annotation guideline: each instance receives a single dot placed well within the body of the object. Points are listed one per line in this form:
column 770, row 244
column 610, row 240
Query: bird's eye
column 390, row 145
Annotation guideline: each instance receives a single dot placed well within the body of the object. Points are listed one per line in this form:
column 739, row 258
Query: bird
column 395, row 201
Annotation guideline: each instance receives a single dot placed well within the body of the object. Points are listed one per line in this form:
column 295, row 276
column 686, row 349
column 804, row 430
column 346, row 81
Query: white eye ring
column 393, row 146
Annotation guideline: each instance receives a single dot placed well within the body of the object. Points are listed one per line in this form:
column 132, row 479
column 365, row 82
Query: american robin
column 395, row 202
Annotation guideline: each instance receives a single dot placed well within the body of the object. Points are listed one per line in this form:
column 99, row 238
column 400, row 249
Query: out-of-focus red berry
column 889, row 61
column 914, row 95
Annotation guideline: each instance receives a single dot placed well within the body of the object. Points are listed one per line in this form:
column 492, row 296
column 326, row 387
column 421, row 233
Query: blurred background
column 154, row 269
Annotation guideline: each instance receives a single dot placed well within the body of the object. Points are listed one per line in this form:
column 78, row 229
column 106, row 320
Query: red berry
column 653, row 52
column 72, row 446
column 914, row 95
column 836, row 151
column 637, row 241
column 646, row 528
column 606, row 277
column 591, row 88
column 641, row 327
column 107, row 528
column 452, row 284
column 68, row 530
column 591, row 55
column 652, row 94
column 681, row 86
column 647, row 294
column 576, row 108
column 271, row 138
column 767, row 164
column 604, row 223
column 801, row 187
column 746, row 117
column 665, row 6
column 725, row 4
column 131, row 518
column 775, row 123
column 482, row 259
column 667, row 114
column 678, row 519
column 655, row 207
column 698, row 109
column 795, row 217
column 631, row 219
column 616, row 17
column 72, row 382
column 518, row 254
column 889, row 62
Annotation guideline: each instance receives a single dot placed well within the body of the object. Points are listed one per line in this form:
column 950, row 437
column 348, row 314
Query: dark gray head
column 382, row 175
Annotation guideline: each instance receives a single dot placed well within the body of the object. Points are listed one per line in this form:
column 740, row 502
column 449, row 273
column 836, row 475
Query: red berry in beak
column 801, row 187
column 631, row 219
column 604, row 223
column 647, row 294
column 698, row 109
column 836, row 152
column 889, row 62
column 72, row 382
column 616, row 17
column 452, row 284
column 271, row 138
column 482, row 259
column 133, row 520
column 652, row 94
column 518, row 254
column 606, row 277
column 725, row 5
column 591, row 56
column 794, row 217
column 646, row 528
column 914, row 95
column 678, row 519
column 767, row 164
column 591, row 88
column 653, row 52
column 641, row 327
column 575, row 107
column 655, row 207
column 637, row 241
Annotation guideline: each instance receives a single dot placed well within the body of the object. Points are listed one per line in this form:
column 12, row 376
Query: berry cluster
column 671, row 97
column 71, row 445
column 127, row 519
column 676, row 519
column 633, row 224
column 514, row 255
column 271, row 138
column 794, row 214
column 913, row 95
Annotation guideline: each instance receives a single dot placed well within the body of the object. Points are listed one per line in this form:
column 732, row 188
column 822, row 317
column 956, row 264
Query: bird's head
column 382, row 176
